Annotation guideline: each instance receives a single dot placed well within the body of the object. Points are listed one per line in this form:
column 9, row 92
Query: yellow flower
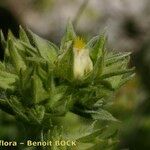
column 82, row 62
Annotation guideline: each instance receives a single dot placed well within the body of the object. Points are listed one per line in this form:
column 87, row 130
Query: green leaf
column 116, row 57
column 23, row 36
column 90, row 137
column 115, row 67
column 30, row 50
column 11, row 36
column 6, row 53
column 25, row 86
column 44, row 75
column 5, row 106
column 7, row 80
column 101, row 114
column 45, row 48
column 58, row 102
column 98, row 67
column 92, row 42
column 6, row 84
column 119, row 66
column 2, row 66
column 18, row 108
column 36, row 60
column 17, row 60
column 8, row 75
column 39, row 93
column 117, row 73
column 125, row 79
column 2, row 39
column 24, row 78
column 36, row 114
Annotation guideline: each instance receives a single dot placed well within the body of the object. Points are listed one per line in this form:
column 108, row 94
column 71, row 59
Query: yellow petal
column 79, row 43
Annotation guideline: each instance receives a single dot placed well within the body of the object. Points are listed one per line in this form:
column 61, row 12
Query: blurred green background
column 127, row 25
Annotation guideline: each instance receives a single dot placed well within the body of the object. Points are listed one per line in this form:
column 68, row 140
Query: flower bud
column 82, row 62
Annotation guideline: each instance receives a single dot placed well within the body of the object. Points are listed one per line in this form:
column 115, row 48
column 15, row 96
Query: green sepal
column 68, row 37
column 96, row 46
column 64, row 65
